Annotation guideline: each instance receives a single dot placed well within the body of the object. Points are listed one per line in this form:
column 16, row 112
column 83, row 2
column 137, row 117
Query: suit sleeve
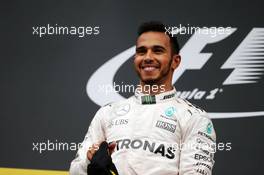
column 94, row 135
column 198, row 146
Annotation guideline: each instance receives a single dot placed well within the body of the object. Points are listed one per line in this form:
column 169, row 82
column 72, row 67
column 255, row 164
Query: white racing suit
column 155, row 135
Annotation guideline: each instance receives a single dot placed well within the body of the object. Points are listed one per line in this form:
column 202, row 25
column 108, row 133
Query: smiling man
column 152, row 132
column 156, row 57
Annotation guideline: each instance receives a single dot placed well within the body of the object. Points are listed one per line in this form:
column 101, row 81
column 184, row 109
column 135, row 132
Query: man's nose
column 149, row 56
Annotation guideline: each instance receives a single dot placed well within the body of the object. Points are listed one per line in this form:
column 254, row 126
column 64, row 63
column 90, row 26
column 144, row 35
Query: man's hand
column 92, row 150
column 101, row 161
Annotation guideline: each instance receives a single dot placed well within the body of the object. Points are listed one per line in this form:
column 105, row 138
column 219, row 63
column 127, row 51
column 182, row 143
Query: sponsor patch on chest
column 165, row 125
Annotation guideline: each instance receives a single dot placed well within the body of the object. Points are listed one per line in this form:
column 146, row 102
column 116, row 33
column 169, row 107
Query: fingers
column 89, row 155
column 91, row 151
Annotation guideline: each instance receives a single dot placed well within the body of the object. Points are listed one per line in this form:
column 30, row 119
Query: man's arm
column 95, row 135
column 198, row 147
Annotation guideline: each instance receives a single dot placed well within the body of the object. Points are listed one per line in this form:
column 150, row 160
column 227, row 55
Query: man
column 152, row 132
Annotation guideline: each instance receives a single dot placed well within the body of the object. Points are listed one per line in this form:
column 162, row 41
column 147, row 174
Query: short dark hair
column 156, row 26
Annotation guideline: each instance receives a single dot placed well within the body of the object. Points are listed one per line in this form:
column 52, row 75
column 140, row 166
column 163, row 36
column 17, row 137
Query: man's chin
column 150, row 81
column 149, row 78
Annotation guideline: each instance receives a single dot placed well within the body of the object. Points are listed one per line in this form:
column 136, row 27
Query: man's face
column 153, row 58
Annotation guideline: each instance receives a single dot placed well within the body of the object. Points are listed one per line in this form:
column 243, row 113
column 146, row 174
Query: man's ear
column 176, row 60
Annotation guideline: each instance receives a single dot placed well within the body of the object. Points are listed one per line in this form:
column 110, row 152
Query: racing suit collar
column 153, row 99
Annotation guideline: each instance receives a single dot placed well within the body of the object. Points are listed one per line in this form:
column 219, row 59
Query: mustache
column 151, row 63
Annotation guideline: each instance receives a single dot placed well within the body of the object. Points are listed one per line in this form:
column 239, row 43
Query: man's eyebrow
column 155, row 47
column 158, row 47
column 140, row 48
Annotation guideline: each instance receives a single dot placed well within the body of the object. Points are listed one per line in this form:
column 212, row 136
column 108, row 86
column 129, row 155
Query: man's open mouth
column 149, row 67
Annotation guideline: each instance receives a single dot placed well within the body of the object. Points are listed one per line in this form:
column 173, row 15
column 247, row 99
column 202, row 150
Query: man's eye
column 140, row 51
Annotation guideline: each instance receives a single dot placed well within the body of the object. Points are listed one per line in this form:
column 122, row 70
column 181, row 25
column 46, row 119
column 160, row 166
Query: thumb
column 111, row 147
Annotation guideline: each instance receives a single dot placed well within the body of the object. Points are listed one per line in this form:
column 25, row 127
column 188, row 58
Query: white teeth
column 149, row 68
